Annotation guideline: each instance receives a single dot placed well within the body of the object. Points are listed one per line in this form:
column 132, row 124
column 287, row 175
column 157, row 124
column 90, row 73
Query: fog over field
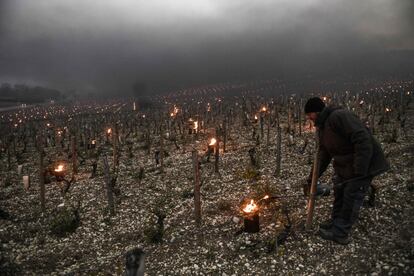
column 106, row 46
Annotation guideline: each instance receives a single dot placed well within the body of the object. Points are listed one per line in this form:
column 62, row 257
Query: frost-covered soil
column 382, row 240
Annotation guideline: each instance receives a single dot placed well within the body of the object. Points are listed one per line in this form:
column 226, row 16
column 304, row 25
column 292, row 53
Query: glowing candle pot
column 251, row 218
column 59, row 172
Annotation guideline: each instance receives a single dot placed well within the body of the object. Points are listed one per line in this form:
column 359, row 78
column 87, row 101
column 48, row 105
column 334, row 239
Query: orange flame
column 213, row 141
column 59, row 168
column 255, row 117
column 264, row 109
column 93, row 142
column 251, row 207
column 109, row 131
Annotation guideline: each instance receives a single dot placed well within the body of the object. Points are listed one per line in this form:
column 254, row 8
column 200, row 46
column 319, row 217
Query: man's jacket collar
column 323, row 116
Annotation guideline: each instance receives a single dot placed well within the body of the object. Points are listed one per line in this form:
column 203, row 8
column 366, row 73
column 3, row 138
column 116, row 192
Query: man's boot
column 327, row 224
column 329, row 235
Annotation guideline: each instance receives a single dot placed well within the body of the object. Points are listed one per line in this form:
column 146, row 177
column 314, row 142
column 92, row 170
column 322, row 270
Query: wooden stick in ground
column 41, row 175
column 109, row 187
column 197, row 196
column 162, row 149
column 74, row 154
column 315, row 176
column 217, row 155
column 115, row 146
column 278, row 151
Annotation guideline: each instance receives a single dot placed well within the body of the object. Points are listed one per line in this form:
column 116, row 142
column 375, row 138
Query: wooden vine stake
column 115, row 141
column 197, row 196
column 108, row 186
column 74, row 154
column 217, row 155
column 41, row 174
column 278, row 150
column 161, row 149
column 315, row 176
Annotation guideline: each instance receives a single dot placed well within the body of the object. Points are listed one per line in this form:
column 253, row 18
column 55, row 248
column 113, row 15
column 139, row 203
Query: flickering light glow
column 251, row 207
column 59, row 168
column 213, row 141
column 109, row 131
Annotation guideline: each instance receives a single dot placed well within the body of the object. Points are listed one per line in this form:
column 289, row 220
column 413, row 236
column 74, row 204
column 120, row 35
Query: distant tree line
column 28, row 94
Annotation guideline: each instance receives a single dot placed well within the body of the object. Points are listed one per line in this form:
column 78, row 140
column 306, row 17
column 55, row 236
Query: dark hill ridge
column 20, row 93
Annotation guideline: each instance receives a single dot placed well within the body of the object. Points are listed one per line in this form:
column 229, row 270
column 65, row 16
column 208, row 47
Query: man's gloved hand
column 321, row 189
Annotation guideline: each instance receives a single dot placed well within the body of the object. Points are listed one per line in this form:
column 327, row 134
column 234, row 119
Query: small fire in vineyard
column 213, row 141
column 109, row 131
column 59, row 171
column 59, row 168
column 251, row 207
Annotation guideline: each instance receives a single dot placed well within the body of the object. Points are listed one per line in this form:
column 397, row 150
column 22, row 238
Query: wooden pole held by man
column 315, row 176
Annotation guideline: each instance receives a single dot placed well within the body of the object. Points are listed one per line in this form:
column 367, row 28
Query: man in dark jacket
column 357, row 158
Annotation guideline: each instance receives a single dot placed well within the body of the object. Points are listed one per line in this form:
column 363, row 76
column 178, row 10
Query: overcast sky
column 107, row 45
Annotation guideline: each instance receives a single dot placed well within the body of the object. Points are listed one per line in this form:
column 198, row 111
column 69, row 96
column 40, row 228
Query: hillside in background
column 21, row 93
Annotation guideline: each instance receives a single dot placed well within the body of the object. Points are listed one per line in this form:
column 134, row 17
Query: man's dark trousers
column 349, row 197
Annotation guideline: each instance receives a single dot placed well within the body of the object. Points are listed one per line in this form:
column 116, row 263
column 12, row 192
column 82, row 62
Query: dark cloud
column 108, row 45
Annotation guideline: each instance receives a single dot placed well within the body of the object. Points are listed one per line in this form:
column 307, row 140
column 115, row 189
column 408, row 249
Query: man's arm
column 356, row 132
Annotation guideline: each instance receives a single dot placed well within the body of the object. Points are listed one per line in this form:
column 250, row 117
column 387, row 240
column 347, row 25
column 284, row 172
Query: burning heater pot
column 92, row 144
column 251, row 217
column 212, row 145
column 59, row 172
